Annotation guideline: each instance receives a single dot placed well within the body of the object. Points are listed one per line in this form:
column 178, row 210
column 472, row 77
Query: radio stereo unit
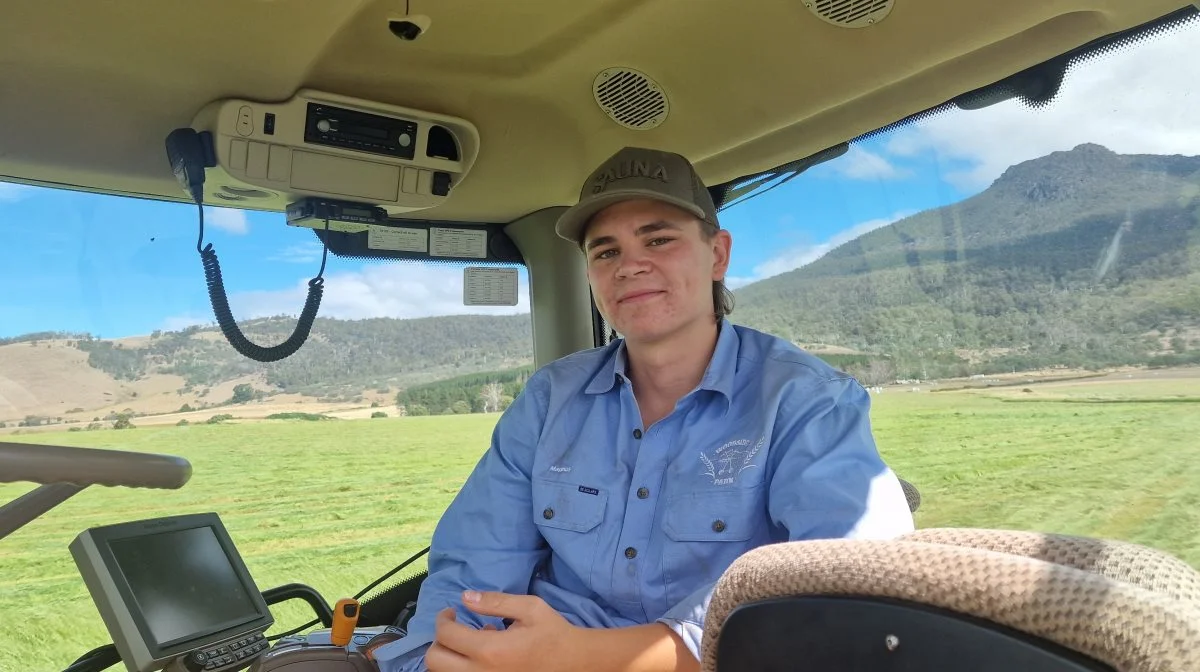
column 338, row 127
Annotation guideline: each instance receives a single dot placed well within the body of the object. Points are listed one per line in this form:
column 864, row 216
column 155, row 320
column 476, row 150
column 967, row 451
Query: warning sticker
column 397, row 238
column 470, row 243
column 489, row 286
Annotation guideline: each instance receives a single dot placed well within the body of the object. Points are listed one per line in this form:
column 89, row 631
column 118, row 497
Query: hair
column 721, row 295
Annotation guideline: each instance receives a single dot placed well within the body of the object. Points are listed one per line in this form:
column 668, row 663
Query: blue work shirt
column 614, row 524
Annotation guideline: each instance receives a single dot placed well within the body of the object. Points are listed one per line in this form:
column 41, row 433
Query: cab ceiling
column 91, row 89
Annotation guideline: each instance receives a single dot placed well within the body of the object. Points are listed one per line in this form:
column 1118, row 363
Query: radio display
column 360, row 131
column 380, row 133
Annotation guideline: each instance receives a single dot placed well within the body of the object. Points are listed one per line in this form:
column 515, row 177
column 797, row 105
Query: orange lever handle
column 345, row 618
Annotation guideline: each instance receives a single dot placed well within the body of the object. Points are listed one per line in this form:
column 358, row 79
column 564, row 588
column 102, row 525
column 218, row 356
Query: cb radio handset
column 189, row 154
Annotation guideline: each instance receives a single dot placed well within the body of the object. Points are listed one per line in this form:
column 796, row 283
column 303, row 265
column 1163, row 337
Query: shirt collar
column 718, row 377
column 611, row 371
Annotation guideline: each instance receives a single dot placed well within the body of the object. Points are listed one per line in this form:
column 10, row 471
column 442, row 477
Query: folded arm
column 654, row 647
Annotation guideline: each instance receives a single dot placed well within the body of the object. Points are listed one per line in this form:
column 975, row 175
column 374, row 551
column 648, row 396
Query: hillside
column 1083, row 258
column 51, row 375
column 340, row 357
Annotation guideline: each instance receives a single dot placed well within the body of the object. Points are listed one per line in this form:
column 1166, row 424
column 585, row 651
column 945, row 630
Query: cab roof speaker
column 631, row 98
column 851, row 13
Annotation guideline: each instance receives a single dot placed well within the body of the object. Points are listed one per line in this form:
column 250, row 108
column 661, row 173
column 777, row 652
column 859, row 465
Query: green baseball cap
column 636, row 172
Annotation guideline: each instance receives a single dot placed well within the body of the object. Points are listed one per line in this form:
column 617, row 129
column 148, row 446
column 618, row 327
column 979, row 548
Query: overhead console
column 323, row 145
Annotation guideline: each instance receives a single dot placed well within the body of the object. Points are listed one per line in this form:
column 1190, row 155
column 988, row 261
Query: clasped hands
column 539, row 639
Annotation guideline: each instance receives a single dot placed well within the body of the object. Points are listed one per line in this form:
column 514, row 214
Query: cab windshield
column 1017, row 286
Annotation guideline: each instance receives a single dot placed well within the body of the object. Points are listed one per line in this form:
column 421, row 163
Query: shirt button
column 631, row 552
column 718, row 526
column 548, row 513
column 637, row 433
column 643, row 493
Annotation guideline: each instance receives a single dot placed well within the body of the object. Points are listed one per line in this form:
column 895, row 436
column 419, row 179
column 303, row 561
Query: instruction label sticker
column 397, row 239
column 489, row 286
column 470, row 243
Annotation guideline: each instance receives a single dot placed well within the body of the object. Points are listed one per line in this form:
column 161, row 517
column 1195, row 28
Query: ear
column 722, row 245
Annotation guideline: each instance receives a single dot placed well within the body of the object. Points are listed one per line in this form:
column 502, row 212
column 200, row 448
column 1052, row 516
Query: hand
column 538, row 639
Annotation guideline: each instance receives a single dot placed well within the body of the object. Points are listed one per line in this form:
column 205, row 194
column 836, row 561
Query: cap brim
column 572, row 222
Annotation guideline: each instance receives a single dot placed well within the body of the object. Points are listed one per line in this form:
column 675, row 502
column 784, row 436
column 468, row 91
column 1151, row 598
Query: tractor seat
column 955, row 599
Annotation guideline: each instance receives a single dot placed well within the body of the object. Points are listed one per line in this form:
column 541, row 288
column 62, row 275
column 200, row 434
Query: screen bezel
column 103, row 538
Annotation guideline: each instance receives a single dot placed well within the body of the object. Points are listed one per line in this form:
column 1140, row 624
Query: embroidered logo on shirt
column 588, row 491
column 731, row 459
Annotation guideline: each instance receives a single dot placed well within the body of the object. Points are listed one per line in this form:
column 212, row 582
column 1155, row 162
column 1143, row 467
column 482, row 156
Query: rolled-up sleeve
column 828, row 481
column 486, row 540
column 686, row 619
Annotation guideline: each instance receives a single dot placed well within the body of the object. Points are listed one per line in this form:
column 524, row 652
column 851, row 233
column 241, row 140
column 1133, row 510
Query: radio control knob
column 195, row 661
column 323, row 126
column 405, row 140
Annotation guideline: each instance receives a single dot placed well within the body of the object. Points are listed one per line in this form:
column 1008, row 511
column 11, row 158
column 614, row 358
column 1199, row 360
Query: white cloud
column 802, row 255
column 402, row 290
column 1141, row 99
column 304, row 253
column 230, row 220
column 859, row 164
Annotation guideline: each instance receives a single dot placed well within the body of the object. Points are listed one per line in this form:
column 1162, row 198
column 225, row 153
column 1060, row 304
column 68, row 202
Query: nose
column 633, row 261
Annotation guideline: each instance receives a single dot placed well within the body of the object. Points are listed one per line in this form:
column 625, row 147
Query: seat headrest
column 1127, row 606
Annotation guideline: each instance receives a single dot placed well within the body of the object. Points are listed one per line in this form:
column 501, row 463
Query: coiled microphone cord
column 229, row 327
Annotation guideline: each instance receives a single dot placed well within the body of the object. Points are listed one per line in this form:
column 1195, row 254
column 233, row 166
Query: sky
column 114, row 267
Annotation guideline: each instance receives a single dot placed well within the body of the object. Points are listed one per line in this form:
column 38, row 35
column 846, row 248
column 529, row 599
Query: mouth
column 637, row 297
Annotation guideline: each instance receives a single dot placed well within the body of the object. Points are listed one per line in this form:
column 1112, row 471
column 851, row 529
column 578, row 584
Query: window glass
column 1019, row 288
column 328, row 468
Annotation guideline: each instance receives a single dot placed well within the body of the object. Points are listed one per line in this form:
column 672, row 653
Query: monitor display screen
column 183, row 583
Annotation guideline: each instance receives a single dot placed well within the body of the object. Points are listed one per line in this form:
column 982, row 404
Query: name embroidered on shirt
column 588, row 491
column 560, row 469
column 731, row 459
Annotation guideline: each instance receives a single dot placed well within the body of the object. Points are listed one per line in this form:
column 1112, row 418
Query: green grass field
column 336, row 504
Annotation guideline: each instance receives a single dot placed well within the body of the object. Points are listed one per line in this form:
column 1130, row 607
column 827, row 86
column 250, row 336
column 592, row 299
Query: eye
column 603, row 254
column 660, row 241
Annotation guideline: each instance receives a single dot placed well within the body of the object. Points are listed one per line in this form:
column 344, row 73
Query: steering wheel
column 63, row 471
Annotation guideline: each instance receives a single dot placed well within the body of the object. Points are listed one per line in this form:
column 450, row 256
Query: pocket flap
column 715, row 515
column 568, row 506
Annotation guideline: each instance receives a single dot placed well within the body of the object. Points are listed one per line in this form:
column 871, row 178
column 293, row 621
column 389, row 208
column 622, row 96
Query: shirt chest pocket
column 704, row 533
column 568, row 506
column 568, row 516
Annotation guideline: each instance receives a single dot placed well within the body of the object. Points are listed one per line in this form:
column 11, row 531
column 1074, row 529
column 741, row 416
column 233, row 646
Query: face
column 651, row 269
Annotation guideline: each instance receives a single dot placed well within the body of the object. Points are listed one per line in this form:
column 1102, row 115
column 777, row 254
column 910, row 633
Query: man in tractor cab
column 625, row 479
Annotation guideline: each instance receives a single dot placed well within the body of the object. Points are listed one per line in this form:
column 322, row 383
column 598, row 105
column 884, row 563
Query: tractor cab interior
column 452, row 134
